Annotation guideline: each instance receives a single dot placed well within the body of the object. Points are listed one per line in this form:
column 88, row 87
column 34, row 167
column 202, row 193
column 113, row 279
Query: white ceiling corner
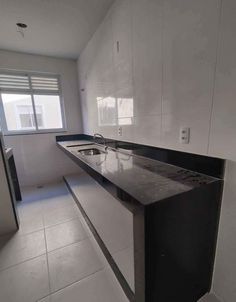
column 59, row 28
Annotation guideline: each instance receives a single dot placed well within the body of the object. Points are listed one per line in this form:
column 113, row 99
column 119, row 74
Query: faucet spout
column 98, row 135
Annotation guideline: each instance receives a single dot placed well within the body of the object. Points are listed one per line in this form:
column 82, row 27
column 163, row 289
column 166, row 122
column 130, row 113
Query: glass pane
column 26, row 121
column 48, row 111
column 18, row 112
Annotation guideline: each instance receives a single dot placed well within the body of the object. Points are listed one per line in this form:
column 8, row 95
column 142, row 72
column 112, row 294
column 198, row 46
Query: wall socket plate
column 120, row 130
column 184, row 135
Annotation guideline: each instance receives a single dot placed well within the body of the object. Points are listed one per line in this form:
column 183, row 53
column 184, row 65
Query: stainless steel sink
column 79, row 145
column 90, row 152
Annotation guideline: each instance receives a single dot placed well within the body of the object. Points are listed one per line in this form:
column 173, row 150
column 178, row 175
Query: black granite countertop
column 146, row 180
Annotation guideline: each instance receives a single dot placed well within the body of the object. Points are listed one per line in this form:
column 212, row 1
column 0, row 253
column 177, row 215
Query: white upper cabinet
column 147, row 70
column 222, row 138
column 189, row 55
column 122, row 44
column 147, row 57
column 103, row 60
column 150, row 69
column 97, row 77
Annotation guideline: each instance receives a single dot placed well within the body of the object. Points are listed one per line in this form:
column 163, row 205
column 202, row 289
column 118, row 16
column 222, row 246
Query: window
column 30, row 103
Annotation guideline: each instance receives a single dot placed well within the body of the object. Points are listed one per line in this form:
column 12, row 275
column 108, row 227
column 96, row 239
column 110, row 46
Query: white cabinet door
column 222, row 136
column 122, row 43
column 147, row 47
column 123, row 65
column 147, row 69
column 189, row 56
column 96, row 62
column 7, row 217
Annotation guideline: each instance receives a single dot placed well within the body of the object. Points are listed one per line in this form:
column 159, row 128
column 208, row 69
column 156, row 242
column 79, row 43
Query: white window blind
column 11, row 82
column 45, row 83
column 14, row 82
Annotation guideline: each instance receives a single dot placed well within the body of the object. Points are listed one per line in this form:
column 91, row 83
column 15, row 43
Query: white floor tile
column 64, row 234
column 31, row 224
column 30, row 194
column 61, row 215
column 78, row 270
column 72, row 263
column 26, row 282
column 57, row 202
column 17, row 248
column 29, row 210
column 100, row 287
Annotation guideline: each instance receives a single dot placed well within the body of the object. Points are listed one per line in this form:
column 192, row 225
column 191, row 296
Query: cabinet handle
column 118, row 46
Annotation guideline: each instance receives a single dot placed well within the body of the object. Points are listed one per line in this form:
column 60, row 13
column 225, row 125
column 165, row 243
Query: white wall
column 223, row 144
column 177, row 61
column 38, row 160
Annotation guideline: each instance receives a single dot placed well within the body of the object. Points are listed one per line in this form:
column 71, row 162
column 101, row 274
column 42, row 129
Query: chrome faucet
column 102, row 137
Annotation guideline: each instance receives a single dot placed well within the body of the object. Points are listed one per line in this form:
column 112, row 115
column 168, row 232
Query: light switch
column 184, row 135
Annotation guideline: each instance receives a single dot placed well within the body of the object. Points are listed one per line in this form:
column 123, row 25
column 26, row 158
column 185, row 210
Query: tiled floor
column 53, row 257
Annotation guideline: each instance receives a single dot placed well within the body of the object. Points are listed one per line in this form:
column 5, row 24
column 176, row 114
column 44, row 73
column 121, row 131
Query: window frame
column 32, row 92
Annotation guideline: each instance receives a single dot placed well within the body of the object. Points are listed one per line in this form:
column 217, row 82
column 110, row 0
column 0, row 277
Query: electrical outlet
column 120, row 131
column 184, row 135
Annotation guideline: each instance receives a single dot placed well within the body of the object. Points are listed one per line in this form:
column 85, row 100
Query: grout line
column 77, row 281
column 49, row 281
column 24, row 261
column 88, row 235
column 70, row 244
column 35, row 231
column 22, row 234
column 64, row 221
column 67, row 245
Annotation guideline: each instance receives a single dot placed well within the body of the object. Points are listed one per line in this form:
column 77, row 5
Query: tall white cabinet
column 8, row 216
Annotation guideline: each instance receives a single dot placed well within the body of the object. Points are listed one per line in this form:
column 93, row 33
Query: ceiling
column 59, row 28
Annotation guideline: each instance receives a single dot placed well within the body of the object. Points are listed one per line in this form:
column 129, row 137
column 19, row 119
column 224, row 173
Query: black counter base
column 180, row 245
